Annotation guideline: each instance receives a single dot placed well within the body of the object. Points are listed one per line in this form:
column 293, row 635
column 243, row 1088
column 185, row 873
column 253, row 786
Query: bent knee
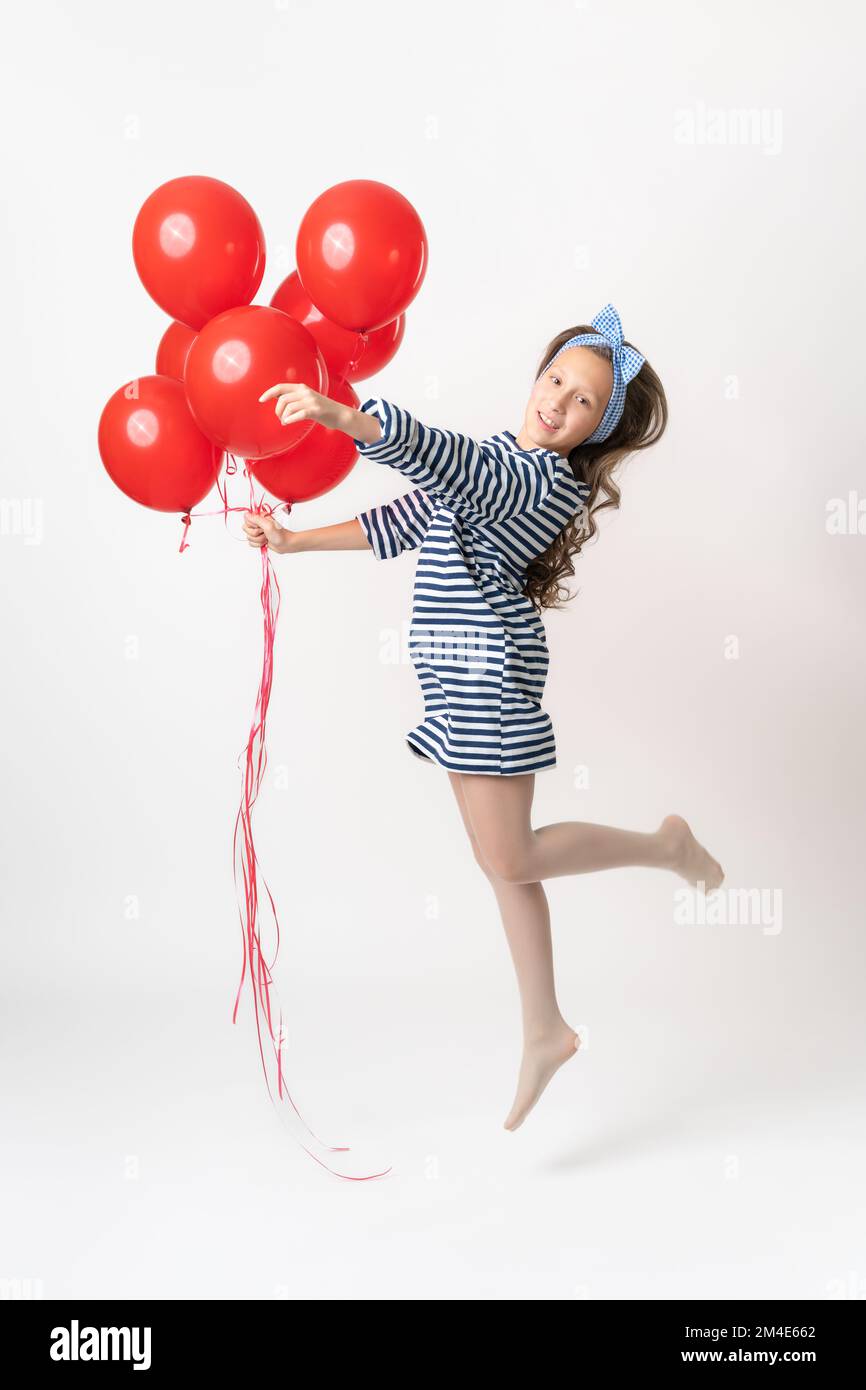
column 509, row 862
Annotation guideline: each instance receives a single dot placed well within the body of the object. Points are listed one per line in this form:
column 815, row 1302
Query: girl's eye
column 580, row 398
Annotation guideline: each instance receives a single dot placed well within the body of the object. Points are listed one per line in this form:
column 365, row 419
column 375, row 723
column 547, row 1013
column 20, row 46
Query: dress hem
column 426, row 757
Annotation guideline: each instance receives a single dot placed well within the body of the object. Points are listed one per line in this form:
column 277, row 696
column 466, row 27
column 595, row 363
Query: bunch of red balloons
column 198, row 246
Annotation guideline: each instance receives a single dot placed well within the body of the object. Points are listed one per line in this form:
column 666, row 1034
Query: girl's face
column 567, row 401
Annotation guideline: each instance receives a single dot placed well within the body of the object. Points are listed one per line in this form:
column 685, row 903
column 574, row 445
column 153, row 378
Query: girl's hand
column 265, row 530
column 295, row 401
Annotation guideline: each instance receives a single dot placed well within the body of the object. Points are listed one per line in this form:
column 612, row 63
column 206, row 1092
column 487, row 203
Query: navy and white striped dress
column 479, row 513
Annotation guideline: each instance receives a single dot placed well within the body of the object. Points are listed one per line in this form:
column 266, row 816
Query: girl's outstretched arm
column 265, row 530
column 481, row 483
column 474, row 480
column 387, row 530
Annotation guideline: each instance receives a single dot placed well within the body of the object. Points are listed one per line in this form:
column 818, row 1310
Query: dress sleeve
column 470, row 478
column 399, row 525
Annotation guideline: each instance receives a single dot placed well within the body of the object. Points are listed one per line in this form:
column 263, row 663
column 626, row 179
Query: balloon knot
column 187, row 522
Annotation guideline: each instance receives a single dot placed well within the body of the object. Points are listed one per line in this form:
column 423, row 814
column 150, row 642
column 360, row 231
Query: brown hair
column 643, row 422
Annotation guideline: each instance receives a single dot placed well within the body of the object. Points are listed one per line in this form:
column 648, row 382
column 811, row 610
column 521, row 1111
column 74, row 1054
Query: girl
column 496, row 523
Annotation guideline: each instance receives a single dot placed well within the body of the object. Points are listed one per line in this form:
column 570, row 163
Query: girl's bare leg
column 548, row 1041
column 498, row 812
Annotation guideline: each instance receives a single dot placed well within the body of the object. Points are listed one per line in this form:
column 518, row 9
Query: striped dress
column 478, row 514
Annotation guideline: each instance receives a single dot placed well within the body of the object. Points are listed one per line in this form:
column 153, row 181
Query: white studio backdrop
column 699, row 166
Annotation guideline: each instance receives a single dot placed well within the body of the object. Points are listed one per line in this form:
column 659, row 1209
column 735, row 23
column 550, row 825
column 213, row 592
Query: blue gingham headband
column 627, row 362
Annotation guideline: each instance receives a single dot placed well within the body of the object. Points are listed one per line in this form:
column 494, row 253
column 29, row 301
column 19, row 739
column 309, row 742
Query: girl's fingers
column 272, row 391
column 281, row 386
column 288, row 415
column 286, row 403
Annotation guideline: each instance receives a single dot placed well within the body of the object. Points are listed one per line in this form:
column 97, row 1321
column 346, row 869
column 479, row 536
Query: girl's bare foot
column 542, row 1056
column 687, row 857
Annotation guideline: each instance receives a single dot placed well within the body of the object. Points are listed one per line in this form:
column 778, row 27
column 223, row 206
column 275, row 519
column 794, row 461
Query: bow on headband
column 627, row 362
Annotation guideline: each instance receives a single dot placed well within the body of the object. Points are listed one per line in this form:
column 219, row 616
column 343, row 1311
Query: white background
column 707, row 1140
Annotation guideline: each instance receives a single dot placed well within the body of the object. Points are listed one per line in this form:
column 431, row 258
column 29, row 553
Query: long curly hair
column 643, row 422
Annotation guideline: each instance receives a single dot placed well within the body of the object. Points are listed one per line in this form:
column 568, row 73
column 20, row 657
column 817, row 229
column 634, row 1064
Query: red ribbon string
column 360, row 347
column 260, row 506
column 245, row 865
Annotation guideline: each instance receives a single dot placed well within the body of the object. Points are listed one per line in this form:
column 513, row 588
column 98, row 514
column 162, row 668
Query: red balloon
column 174, row 345
column 350, row 355
column 199, row 248
column 234, row 359
column 361, row 253
column 152, row 448
column 317, row 464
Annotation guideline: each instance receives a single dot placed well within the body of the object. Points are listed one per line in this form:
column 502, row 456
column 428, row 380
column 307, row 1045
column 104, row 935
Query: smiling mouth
column 547, row 425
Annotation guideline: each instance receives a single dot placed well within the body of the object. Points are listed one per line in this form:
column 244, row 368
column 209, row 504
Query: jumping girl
column 495, row 523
